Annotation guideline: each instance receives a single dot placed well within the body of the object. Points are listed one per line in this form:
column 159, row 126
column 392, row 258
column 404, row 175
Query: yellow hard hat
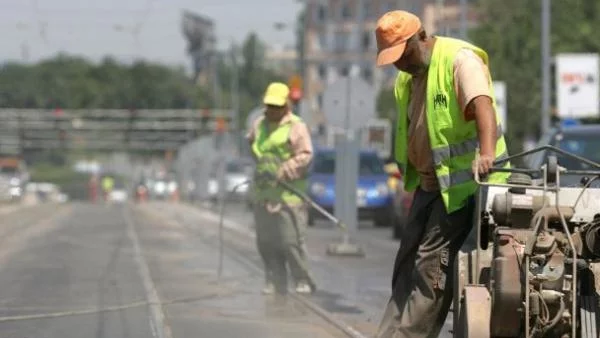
column 277, row 94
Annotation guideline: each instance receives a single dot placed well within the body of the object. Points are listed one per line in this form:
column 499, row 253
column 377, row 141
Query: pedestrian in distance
column 446, row 114
column 282, row 148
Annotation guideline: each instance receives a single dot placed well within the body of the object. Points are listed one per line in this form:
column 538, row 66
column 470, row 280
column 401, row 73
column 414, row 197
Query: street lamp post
column 464, row 8
column 545, row 119
column 235, row 97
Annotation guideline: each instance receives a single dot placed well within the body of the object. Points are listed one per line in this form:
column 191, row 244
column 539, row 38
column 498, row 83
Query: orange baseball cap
column 393, row 30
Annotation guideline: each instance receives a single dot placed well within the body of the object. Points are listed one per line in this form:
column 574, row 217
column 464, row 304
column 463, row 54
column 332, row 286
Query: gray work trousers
column 422, row 282
column 280, row 238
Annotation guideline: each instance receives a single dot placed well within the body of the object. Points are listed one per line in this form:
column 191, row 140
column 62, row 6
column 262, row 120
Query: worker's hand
column 483, row 164
column 281, row 174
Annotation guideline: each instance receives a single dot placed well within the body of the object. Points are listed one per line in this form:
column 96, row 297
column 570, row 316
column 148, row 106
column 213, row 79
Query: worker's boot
column 304, row 288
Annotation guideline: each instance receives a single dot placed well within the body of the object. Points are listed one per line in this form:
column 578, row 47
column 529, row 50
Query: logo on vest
column 440, row 101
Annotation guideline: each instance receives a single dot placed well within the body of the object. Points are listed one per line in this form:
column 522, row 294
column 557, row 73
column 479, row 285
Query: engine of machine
column 531, row 273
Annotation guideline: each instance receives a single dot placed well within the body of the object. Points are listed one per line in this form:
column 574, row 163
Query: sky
column 31, row 30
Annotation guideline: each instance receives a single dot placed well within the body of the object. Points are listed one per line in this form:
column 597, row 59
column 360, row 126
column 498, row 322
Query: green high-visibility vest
column 271, row 149
column 453, row 140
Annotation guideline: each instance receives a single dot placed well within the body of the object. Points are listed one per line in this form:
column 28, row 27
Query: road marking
column 158, row 323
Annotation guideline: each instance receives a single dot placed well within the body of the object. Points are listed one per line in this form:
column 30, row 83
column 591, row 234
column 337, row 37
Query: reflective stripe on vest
column 453, row 140
column 462, row 176
column 443, row 153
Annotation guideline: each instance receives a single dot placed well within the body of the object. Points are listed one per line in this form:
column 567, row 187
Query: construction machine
column 531, row 267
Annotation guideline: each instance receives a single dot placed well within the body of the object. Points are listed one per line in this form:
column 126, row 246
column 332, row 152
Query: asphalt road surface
column 82, row 270
column 355, row 290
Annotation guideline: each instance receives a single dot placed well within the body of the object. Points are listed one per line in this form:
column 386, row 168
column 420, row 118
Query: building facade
column 282, row 60
column 340, row 40
column 444, row 17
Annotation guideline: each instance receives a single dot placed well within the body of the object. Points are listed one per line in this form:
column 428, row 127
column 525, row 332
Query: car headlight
column 317, row 188
column 160, row 187
column 382, row 189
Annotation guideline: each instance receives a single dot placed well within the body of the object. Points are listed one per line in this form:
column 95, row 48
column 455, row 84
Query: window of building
column 367, row 73
column 346, row 11
column 341, row 41
column 366, row 41
column 321, row 13
column 367, row 9
column 322, row 72
column 344, row 70
column 322, row 41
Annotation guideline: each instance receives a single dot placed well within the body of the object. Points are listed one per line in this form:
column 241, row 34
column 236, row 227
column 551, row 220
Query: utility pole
column 464, row 8
column 441, row 22
column 235, row 98
column 545, row 118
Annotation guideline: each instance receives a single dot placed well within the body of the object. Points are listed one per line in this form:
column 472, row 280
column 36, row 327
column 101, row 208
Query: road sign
column 295, row 94
column 349, row 103
column 577, row 85
column 500, row 93
column 377, row 136
column 295, row 81
column 295, row 84
column 347, row 154
column 221, row 125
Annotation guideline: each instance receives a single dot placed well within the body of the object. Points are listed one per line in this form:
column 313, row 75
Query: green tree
column 510, row 33
column 253, row 73
column 72, row 82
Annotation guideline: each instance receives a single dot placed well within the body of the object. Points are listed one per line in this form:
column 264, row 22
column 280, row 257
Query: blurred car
column 46, row 192
column 236, row 172
column 162, row 188
column 118, row 194
column 581, row 140
column 13, row 178
column 374, row 197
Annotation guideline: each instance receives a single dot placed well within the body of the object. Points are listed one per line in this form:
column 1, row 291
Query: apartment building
column 282, row 59
column 444, row 17
column 339, row 41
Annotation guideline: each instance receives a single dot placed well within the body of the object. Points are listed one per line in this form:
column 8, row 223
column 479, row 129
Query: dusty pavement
column 352, row 290
column 82, row 270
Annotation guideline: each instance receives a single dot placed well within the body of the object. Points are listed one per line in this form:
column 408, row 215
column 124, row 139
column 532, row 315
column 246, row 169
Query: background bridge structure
column 106, row 130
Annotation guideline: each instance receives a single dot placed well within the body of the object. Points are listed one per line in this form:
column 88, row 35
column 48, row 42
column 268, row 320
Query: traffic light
column 221, row 125
column 210, row 123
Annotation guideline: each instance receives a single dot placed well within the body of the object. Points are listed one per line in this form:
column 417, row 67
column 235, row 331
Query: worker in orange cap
column 446, row 115
column 282, row 147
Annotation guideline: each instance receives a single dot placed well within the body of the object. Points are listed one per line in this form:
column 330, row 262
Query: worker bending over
column 282, row 147
column 445, row 114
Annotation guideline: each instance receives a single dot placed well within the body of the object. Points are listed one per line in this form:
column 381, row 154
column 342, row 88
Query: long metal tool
column 344, row 248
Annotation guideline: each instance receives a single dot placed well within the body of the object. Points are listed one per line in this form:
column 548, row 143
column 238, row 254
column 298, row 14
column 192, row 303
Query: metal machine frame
column 477, row 295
